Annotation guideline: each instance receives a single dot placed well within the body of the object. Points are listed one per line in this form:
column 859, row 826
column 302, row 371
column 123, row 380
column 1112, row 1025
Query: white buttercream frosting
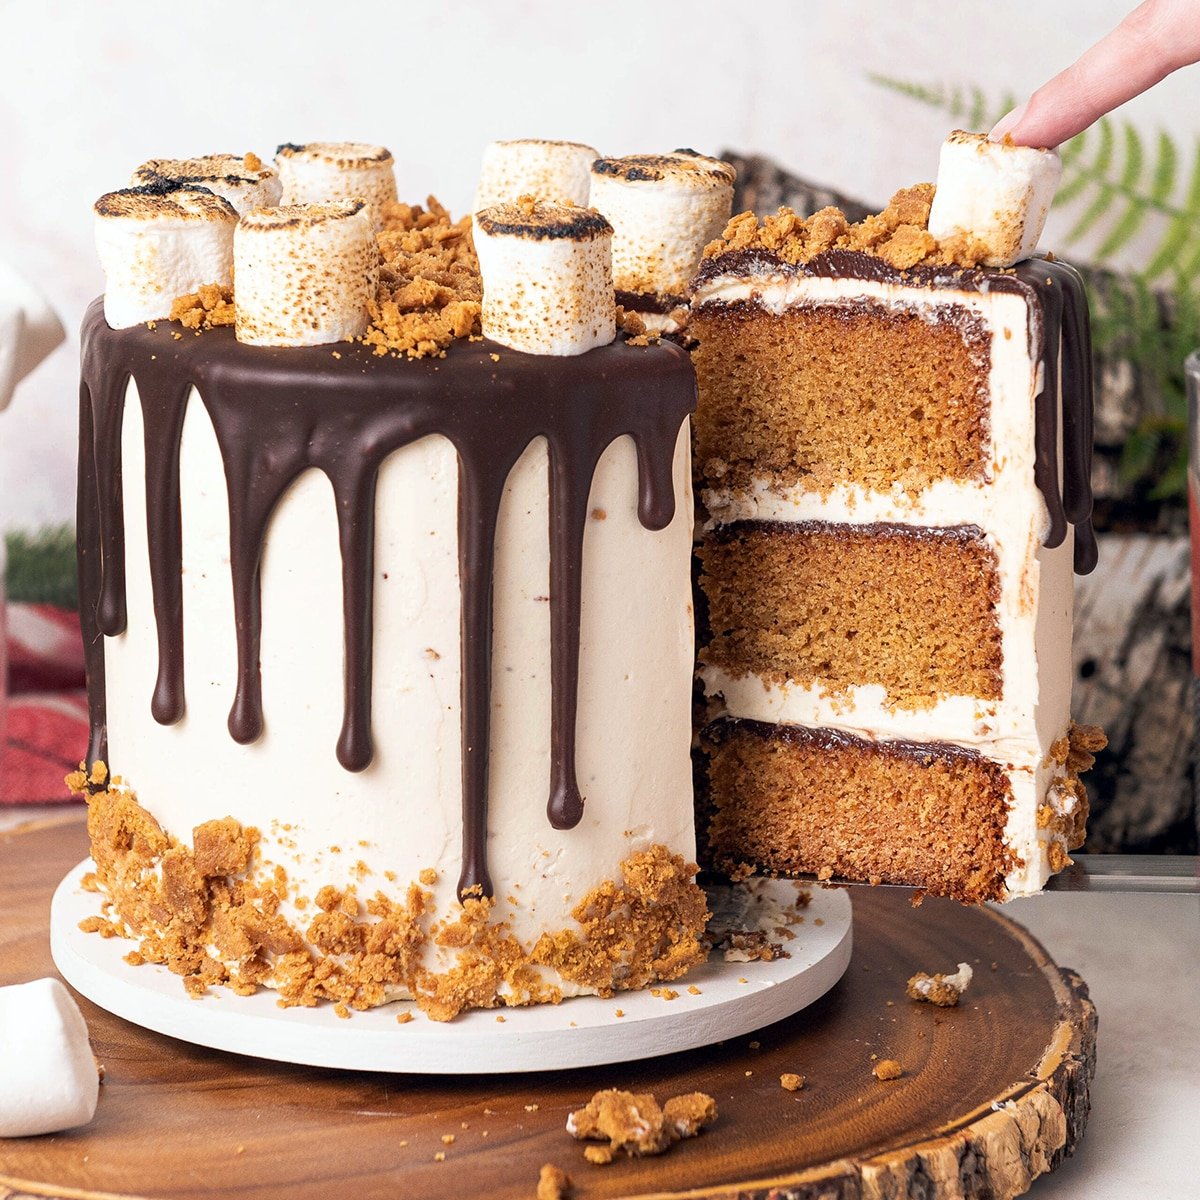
column 403, row 814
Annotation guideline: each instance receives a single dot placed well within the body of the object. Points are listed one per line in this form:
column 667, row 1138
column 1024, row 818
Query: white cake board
column 735, row 998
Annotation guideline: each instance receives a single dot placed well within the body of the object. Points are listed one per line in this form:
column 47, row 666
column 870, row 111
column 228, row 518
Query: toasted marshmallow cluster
column 556, row 171
column 306, row 273
column 244, row 180
column 320, row 172
column 48, row 1078
column 159, row 242
column 547, row 277
column 664, row 209
column 997, row 194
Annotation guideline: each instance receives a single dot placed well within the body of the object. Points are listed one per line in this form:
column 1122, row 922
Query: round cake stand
column 730, row 998
column 995, row 1092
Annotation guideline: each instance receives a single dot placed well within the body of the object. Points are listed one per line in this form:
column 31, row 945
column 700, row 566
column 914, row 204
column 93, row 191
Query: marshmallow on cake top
column 318, row 172
column 159, row 242
column 664, row 209
column 546, row 170
column 997, row 193
column 547, row 277
column 306, row 273
column 242, row 179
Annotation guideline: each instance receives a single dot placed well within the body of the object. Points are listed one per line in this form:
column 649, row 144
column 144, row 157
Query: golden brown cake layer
column 821, row 395
column 909, row 608
column 788, row 800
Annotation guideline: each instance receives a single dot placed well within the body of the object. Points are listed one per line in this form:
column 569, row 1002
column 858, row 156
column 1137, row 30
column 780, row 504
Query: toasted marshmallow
column 321, row 172
column 547, row 277
column 995, row 193
column 159, row 242
column 664, row 209
column 306, row 273
column 556, row 171
column 244, row 180
column 48, row 1078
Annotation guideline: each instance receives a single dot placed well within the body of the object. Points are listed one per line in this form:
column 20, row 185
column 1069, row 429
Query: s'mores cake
column 893, row 443
column 385, row 583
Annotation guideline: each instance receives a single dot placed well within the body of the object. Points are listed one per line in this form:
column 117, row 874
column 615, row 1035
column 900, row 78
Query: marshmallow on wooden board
column 321, row 172
column 159, row 242
column 994, row 192
column 306, row 274
column 664, row 209
column 244, row 180
column 545, row 170
column 49, row 1080
column 547, row 277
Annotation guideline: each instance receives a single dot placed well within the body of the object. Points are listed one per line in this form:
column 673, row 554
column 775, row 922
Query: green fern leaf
column 1071, row 150
column 1122, row 232
column 1138, row 454
column 1166, row 169
column 1108, row 142
column 1135, row 158
column 1173, row 484
column 978, row 112
column 1075, row 186
column 1180, row 231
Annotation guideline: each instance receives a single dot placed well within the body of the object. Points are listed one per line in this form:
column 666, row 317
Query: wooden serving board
column 995, row 1091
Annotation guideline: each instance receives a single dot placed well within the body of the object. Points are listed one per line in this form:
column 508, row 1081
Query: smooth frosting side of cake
column 352, row 769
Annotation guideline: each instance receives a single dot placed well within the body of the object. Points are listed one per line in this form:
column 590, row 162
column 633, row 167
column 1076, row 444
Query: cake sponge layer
column 855, row 392
column 790, row 800
column 907, row 608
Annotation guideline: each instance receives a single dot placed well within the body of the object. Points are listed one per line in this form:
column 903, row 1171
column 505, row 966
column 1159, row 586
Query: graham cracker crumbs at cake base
column 430, row 290
column 211, row 913
column 208, row 307
column 633, row 1123
column 899, row 235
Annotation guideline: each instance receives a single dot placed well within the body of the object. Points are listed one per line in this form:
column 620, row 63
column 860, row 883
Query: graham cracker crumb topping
column 553, row 1183
column 899, row 235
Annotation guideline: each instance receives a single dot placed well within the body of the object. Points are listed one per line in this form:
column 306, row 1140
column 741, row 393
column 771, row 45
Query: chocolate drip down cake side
column 386, row 559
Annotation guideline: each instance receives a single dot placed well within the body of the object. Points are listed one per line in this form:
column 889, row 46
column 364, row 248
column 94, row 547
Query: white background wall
column 90, row 89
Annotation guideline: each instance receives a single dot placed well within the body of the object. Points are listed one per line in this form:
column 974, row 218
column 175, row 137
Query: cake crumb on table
column 887, row 1069
column 635, row 1125
column 942, row 990
column 791, row 1082
column 553, row 1183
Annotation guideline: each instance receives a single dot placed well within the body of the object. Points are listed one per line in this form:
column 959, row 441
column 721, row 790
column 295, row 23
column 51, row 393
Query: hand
column 1158, row 37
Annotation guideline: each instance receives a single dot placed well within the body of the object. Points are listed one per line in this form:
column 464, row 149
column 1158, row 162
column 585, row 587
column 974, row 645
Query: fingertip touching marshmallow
column 49, row 1080
column 306, row 273
column 244, row 180
column 547, row 277
column 555, row 171
column 664, row 209
column 994, row 192
column 159, row 242
column 321, row 172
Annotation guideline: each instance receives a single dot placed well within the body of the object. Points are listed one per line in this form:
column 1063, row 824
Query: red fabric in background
column 47, row 727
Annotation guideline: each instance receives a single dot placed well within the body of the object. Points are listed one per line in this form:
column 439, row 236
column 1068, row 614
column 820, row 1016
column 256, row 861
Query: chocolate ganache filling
column 280, row 412
column 1060, row 341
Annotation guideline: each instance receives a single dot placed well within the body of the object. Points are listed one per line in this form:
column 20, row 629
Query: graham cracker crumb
column 447, row 1139
column 252, row 162
column 210, row 307
column 899, row 235
column 791, row 1082
column 633, row 1123
column 428, row 877
column 942, row 990
column 887, row 1069
column 430, row 290
column 553, row 1183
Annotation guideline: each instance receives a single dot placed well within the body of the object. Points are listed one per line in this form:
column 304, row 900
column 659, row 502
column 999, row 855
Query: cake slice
column 893, row 446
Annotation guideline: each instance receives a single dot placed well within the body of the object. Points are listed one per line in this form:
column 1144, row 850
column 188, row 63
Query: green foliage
column 41, row 566
column 1122, row 187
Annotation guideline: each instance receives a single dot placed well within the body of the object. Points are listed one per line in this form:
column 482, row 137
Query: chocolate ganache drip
column 1060, row 341
column 280, row 412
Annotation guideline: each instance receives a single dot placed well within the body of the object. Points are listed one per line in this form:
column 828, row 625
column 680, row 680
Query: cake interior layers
column 854, row 392
column 909, row 609
column 791, row 800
